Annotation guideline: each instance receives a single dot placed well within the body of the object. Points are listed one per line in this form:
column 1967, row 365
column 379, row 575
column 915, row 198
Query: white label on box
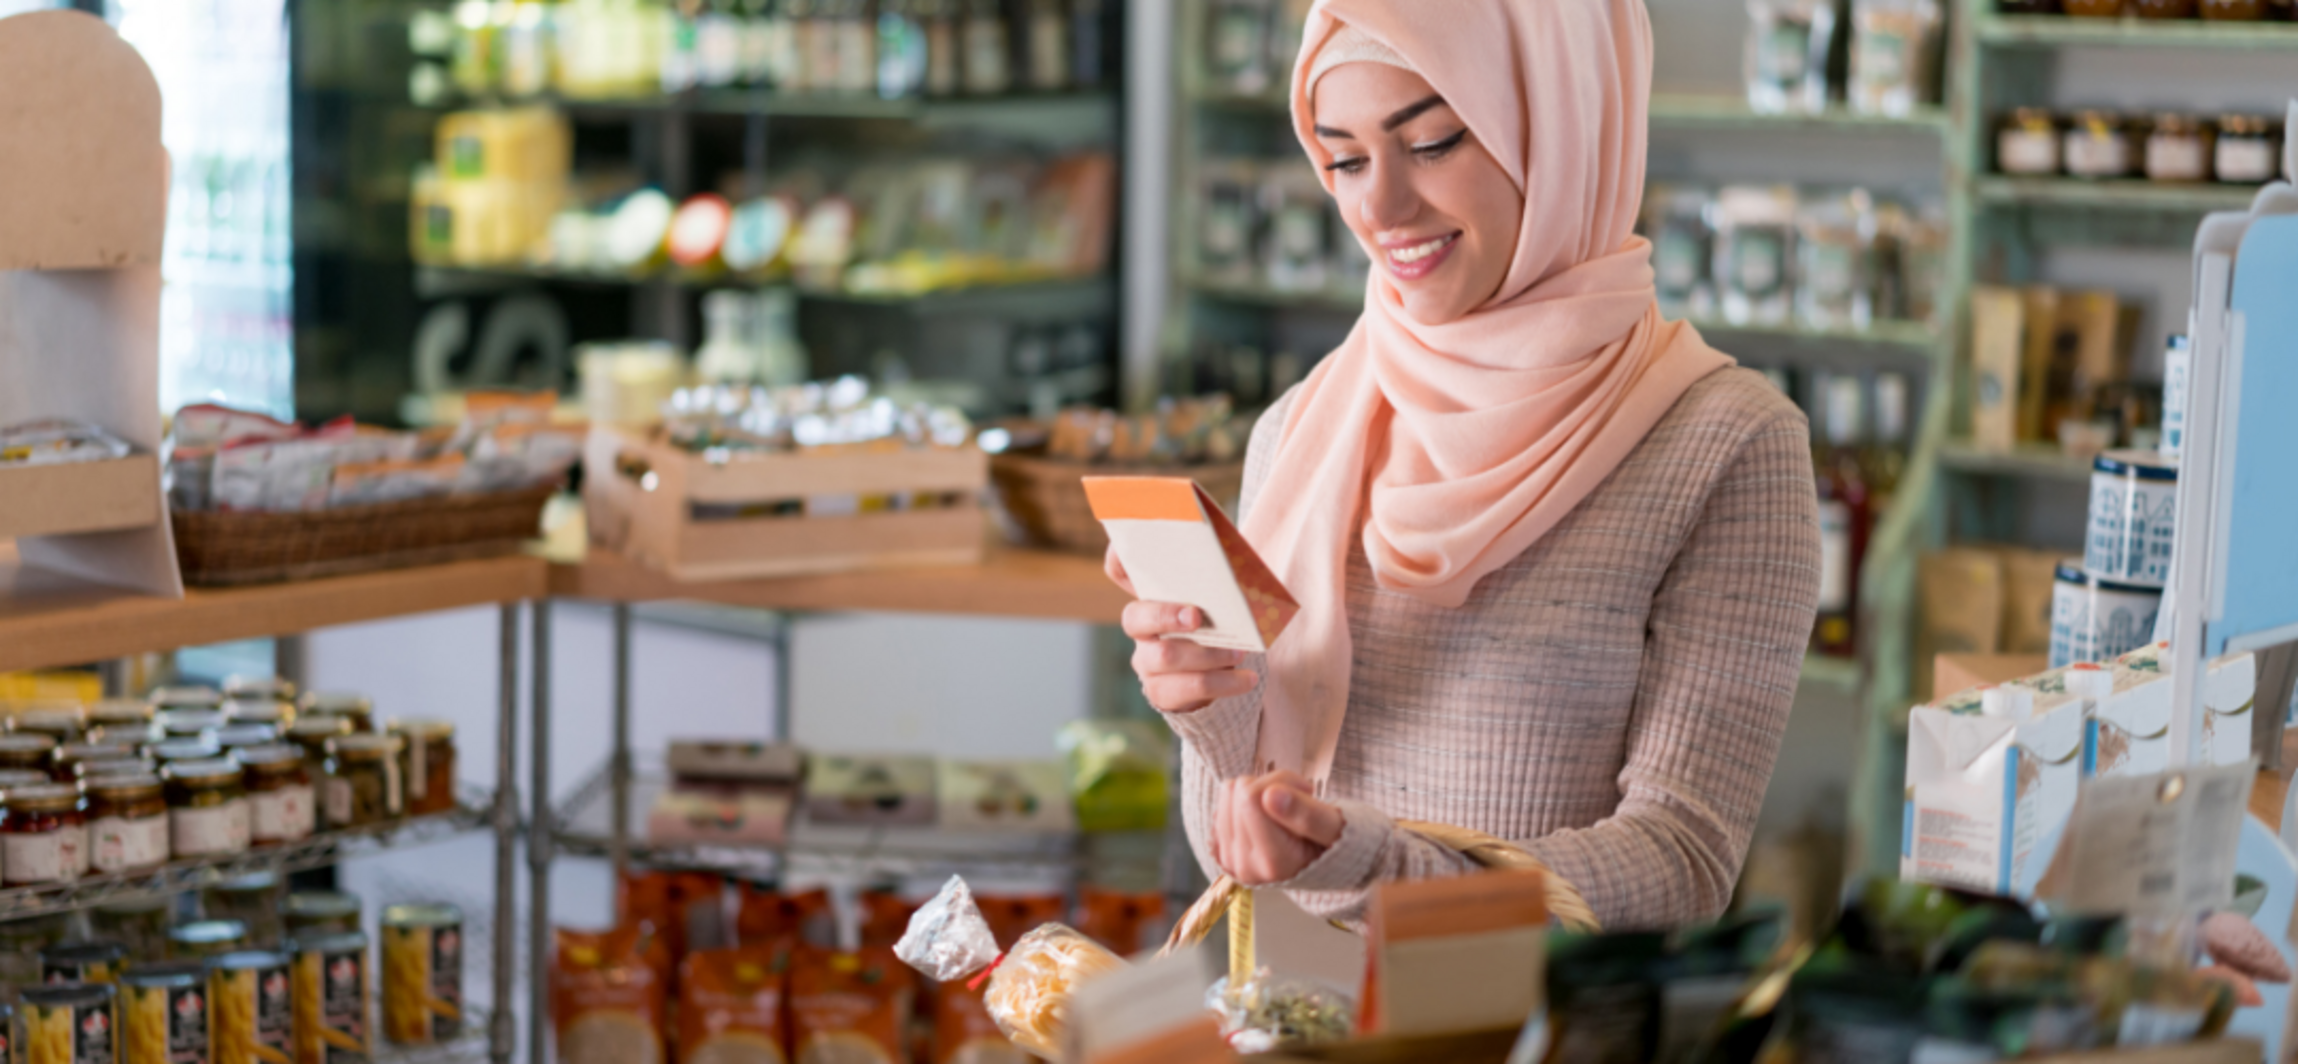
column 48, row 857
column 284, row 815
column 215, row 829
column 121, row 844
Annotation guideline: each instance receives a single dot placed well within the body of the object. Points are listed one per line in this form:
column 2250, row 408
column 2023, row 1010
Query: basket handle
column 1565, row 903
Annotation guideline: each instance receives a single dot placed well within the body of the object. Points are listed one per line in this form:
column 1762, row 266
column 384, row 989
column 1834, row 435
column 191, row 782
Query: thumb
column 1295, row 811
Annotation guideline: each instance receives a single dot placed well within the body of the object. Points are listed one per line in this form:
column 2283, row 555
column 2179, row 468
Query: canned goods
column 202, row 939
column 422, row 974
column 163, row 1014
column 66, row 1023
column 331, row 1025
column 311, row 912
column 2133, row 517
column 82, row 962
column 251, row 1008
column 2098, row 620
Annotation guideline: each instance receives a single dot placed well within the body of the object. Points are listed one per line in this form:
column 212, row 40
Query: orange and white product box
column 1991, row 781
column 1178, row 547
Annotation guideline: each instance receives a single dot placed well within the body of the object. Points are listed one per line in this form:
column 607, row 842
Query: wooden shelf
column 2031, row 461
column 49, row 620
column 2048, row 31
column 1010, row 583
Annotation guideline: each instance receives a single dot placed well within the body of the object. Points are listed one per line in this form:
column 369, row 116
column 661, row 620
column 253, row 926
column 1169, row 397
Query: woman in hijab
column 1557, row 559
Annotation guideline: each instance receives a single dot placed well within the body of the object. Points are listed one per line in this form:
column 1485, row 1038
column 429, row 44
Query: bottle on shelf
column 1088, row 44
column 856, row 37
column 940, row 18
column 988, row 65
column 1884, row 459
column 1048, row 40
column 809, row 55
column 727, row 355
column 1843, row 513
column 1236, row 47
column 901, row 49
column 718, row 41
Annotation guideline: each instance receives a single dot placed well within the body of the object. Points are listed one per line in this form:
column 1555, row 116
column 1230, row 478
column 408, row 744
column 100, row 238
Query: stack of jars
column 2233, row 149
column 124, row 786
column 2216, row 10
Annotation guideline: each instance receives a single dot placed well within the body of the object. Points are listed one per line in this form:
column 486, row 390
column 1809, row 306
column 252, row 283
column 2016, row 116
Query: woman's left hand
column 1267, row 828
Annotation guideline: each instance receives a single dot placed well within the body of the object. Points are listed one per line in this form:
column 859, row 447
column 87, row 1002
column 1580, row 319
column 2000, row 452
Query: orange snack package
column 688, row 909
column 767, row 916
column 849, row 1008
column 607, row 996
column 884, row 916
column 730, row 1006
column 1118, row 919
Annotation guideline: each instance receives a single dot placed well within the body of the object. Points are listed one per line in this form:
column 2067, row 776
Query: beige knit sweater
column 1613, row 698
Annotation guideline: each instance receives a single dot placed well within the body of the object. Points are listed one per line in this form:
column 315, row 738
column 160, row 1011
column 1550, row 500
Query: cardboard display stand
column 83, row 207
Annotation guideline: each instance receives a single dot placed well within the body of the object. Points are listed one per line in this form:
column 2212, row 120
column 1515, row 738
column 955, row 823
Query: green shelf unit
column 2028, row 462
column 928, row 110
column 1731, row 114
column 2123, row 195
column 2062, row 31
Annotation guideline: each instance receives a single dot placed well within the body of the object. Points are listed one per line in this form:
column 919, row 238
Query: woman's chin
column 1430, row 308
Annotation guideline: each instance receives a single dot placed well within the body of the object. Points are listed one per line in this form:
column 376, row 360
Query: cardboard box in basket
column 1991, row 781
column 754, row 514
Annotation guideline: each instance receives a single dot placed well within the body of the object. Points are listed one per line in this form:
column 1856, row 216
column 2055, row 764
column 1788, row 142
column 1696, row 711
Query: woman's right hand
column 1177, row 676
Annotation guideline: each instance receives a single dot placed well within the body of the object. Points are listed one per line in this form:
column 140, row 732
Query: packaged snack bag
column 767, row 916
column 730, row 1006
column 848, row 1008
column 687, row 909
column 607, row 996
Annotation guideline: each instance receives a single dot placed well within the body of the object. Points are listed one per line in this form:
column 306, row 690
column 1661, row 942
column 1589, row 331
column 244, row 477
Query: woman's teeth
column 1418, row 252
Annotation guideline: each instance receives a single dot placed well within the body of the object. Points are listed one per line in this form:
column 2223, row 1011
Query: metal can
column 317, row 912
column 251, row 1008
column 66, row 1023
column 163, row 1014
column 82, row 962
column 422, row 974
column 331, row 1025
column 202, row 939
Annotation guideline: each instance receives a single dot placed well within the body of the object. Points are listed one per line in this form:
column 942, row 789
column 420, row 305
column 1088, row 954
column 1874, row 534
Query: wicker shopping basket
column 225, row 548
column 1046, row 496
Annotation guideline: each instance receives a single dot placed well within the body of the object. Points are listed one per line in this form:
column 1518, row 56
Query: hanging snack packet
column 730, row 1006
column 607, row 996
column 848, row 1008
column 1028, row 988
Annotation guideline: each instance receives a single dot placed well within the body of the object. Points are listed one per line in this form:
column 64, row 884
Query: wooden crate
column 640, row 493
column 74, row 497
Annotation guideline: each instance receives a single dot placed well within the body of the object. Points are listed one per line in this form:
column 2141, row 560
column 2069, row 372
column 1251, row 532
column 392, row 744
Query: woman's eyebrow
column 1409, row 112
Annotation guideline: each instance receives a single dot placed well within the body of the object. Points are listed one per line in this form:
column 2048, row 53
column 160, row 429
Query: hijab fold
column 1451, row 448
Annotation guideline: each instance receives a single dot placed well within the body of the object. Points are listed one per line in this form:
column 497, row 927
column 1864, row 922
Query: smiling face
column 1430, row 205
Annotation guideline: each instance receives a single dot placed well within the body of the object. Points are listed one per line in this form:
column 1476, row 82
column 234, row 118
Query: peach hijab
column 1453, row 447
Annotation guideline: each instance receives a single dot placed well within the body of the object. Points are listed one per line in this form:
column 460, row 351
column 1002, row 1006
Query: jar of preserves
column 2249, row 150
column 180, row 724
column 189, row 697
column 349, row 705
column 2095, row 8
column 2027, row 145
column 43, row 835
column 280, row 802
column 2098, row 145
column 127, row 823
column 427, row 763
column 120, row 720
column 83, row 962
column 140, row 925
column 310, row 734
column 320, row 911
column 255, row 688
column 202, row 939
column 233, row 738
column 253, row 901
column 28, row 753
column 363, row 785
column 12, row 778
column 2163, row 9
column 2027, row 7
column 2233, row 10
column 66, row 762
column 2179, row 148
column 60, row 723
column 272, row 714
column 134, row 766
column 173, row 751
column 207, row 808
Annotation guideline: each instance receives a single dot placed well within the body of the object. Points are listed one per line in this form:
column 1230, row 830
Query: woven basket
column 222, row 549
column 1564, row 901
column 1046, row 496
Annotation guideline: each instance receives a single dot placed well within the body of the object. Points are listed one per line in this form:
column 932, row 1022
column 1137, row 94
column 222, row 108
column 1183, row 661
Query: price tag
column 2158, row 845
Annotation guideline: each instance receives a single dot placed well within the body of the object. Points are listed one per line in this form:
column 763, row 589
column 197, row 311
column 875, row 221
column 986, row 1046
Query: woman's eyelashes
column 1430, row 152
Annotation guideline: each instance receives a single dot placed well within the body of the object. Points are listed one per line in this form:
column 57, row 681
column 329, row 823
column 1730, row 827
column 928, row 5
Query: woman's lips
column 1411, row 262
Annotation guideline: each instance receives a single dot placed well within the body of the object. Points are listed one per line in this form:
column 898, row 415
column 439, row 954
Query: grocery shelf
column 2030, row 461
column 48, row 619
column 2121, row 195
column 1010, row 582
column 1030, row 106
column 1821, row 670
column 2046, row 31
column 326, row 848
column 1683, row 111
column 584, row 827
column 1914, row 336
column 982, row 298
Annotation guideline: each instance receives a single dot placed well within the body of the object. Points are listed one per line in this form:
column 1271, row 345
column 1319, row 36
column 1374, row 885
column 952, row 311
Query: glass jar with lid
column 264, row 688
column 127, row 823
column 168, row 753
column 28, row 753
column 318, row 911
column 191, row 696
column 2179, row 148
column 2098, row 145
column 274, row 715
column 310, row 734
column 2233, row 10
column 178, row 724
column 66, row 761
column 2249, row 150
column 427, row 764
column 232, row 738
column 363, row 788
column 83, row 962
column 12, row 778
column 253, row 901
column 2027, row 144
column 2164, row 9
column 120, row 720
column 62, row 722
column 203, row 939
column 349, row 705
column 43, row 835
column 280, row 803
column 2094, row 8
column 95, row 770
column 207, row 808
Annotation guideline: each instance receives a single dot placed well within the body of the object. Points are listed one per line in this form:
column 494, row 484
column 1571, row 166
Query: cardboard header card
column 1451, row 955
column 1179, row 547
column 86, row 183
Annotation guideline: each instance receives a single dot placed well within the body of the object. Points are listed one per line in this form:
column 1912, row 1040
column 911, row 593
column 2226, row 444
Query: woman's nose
column 1389, row 199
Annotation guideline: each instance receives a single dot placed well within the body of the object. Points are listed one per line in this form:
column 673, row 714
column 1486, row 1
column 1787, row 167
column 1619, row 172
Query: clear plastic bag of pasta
column 1028, row 988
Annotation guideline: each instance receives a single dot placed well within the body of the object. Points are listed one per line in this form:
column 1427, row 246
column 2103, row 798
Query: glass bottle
column 901, row 49
column 1048, row 45
column 857, row 41
column 726, row 356
column 786, row 67
column 805, row 58
column 1884, row 460
column 755, row 47
column 718, row 37
column 679, row 53
column 988, row 61
column 1087, row 44
column 1843, row 515
column 1236, row 46
column 941, row 33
